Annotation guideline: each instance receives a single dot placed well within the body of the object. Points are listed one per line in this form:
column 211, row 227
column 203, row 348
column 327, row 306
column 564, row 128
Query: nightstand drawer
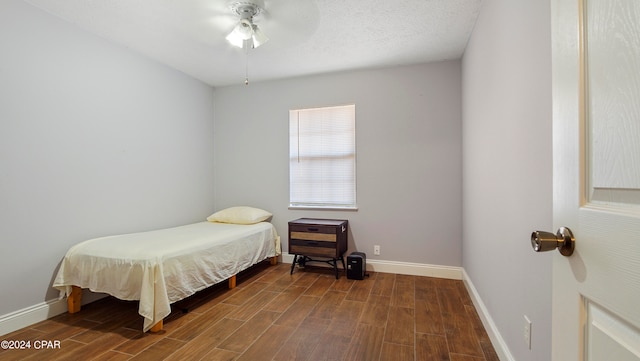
column 314, row 236
column 313, row 248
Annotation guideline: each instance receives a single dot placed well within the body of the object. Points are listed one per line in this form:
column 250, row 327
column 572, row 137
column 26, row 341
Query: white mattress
column 164, row 266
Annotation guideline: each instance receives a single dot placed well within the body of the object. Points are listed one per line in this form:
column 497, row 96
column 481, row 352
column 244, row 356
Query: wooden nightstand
column 312, row 237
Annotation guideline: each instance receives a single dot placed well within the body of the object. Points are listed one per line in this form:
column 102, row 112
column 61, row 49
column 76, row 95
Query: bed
column 161, row 267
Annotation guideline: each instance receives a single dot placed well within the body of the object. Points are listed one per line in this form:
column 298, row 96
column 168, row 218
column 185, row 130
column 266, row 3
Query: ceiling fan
column 246, row 33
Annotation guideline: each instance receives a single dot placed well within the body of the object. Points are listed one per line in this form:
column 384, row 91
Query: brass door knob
column 563, row 240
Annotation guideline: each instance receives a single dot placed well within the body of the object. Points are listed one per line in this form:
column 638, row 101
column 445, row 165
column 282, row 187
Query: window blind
column 322, row 157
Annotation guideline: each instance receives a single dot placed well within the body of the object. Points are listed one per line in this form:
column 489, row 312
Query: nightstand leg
column 295, row 258
column 335, row 267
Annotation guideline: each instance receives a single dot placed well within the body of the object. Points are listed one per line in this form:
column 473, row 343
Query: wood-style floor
column 272, row 315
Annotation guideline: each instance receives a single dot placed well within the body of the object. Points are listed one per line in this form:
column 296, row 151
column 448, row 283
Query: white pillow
column 240, row 215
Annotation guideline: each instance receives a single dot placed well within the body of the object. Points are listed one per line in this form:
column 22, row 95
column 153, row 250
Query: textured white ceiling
column 306, row 36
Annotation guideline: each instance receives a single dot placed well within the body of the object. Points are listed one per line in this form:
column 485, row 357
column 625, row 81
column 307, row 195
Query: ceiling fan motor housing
column 247, row 9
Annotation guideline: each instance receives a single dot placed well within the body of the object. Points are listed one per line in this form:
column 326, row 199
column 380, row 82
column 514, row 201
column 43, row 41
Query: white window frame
column 322, row 158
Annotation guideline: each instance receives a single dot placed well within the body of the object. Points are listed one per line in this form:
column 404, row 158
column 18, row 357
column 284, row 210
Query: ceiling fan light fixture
column 246, row 29
column 258, row 37
column 241, row 32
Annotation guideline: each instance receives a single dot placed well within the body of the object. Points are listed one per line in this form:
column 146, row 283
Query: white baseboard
column 30, row 315
column 40, row 312
column 403, row 268
column 496, row 338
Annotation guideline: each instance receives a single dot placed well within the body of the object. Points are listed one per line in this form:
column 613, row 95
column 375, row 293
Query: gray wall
column 94, row 140
column 408, row 141
column 507, row 168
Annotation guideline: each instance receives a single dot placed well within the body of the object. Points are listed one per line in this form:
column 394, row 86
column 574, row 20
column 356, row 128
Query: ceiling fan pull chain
column 246, row 68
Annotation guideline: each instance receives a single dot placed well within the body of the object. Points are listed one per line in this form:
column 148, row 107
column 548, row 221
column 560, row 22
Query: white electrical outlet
column 376, row 250
column 527, row 332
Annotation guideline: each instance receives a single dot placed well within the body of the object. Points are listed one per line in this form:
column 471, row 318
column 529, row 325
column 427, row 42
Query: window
column 322, row 157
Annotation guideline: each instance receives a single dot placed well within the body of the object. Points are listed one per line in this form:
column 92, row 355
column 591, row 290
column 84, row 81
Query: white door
column 596, row 140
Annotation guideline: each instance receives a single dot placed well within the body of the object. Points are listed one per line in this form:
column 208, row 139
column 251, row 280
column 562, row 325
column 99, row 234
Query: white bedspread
column 164, row 266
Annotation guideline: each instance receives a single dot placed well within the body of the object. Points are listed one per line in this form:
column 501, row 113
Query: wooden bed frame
column 74, row 300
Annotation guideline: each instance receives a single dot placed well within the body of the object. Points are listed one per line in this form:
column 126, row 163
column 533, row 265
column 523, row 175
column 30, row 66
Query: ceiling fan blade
column 290, row 10
column 288, row 21
column 221, row 15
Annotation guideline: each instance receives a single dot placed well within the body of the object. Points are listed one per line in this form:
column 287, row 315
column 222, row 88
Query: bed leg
column 157, row 327
column 232, row 282
column 74, row 299
column 274, row 260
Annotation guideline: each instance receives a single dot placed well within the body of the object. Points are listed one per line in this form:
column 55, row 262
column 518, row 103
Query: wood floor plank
column 304, row 279
column 403, row 294
column 244, row 336
column 345, row 318
column 298, row 311
column 240, row 295
column 488, row 351
column 268, row 344
column 99, row 341
column 252, row 306
column 327, row 304
column 90, row 334
column 252, row 274
column 274, row 273
column 284, row 282
column 26, row 334
column 376, row 311
column 459, row 357
column 431, row 347
column 56, row 323
column 114, row 311
column 320, row 286
column 279, row 279
column 445, row 283
column 139, row 343
column 208, row 339
column 464, row 294
column 111, row 356
column 160, row 350
column 366, row 344
column 425, row 288
column 400, row 326
column 360, row 290
column 342, row 284
column 396, row 352
column 330, row 347
column 176, row 320
column 481, row 333
column 18, row 354
column 461, row 335
column 202, row 301
column 285, row 299
column 428, row 316
column 201, row 323
column 67, row 351
column 302, row 341
column 383, row 285
column 217, row 354
column 424, row 283
column 450, row 302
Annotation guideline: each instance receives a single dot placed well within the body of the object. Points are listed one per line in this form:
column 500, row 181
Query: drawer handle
column 312, row 229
